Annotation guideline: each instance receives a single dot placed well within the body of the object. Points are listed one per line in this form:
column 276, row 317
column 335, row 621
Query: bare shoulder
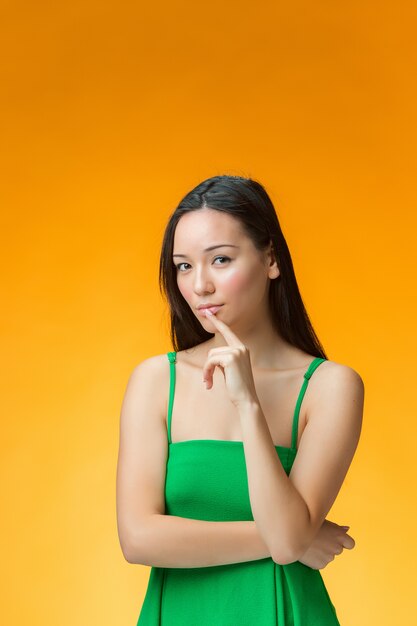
column 333, row 381
column 334, row 373
column 156, row 364
column 154, row 370
column 151, row 373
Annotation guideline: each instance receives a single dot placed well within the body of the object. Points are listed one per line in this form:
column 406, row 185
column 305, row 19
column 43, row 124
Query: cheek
column 185, row 290
column 236, row 283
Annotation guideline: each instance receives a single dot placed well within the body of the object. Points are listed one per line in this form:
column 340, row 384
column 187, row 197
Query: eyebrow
column 220, row 245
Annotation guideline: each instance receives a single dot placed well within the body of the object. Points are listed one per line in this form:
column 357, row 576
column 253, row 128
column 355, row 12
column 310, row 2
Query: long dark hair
column 246, row 200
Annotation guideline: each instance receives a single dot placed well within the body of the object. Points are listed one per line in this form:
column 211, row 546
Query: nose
column 202, row 282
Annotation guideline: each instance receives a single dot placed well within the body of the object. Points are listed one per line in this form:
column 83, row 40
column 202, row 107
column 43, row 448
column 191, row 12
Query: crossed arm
column 170, row 541
column 148, row 536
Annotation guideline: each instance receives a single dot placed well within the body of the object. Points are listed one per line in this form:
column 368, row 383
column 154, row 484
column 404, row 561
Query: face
column 235, row 276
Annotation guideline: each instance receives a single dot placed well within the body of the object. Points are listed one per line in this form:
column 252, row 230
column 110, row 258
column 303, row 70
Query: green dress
column 206, row 479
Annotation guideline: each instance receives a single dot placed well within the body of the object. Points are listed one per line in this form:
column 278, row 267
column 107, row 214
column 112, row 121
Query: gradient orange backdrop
column 111, row 112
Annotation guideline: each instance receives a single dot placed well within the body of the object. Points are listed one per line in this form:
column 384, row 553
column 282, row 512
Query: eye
column 222, row 257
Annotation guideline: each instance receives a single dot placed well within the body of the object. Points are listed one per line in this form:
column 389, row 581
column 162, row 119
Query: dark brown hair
column 246, row 200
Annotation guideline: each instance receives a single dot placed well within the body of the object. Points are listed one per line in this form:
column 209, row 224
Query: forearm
column 279, row 511
column 180, row 542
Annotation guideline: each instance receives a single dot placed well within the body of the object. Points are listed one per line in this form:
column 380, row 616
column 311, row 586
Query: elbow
column 130, row 551
column 286, row 554
column 284, row 558
column 133, row 549
column 292, row 543
column 131, row 555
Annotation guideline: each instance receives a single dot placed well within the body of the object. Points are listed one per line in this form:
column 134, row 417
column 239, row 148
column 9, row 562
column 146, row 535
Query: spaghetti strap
column 172, row 357
column 311, row 368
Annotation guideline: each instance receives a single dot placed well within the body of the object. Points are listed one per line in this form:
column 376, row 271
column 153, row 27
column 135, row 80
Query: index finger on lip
column 227, row 333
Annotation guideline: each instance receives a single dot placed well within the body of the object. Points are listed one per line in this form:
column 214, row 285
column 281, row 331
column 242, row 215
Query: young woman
column 234, row 446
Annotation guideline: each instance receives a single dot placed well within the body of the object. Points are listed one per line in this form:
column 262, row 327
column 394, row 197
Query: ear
column 273, row 269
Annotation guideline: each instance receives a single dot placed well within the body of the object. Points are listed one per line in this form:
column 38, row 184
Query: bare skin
column 146, row 534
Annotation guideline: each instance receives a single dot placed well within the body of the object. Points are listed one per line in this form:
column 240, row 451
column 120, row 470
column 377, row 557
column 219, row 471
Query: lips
column 213, row 309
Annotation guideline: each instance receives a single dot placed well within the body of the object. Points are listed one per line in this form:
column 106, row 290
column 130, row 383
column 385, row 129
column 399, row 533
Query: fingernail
column 208, row 312
column 346, row 527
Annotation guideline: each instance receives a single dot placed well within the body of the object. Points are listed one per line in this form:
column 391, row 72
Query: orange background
column 111, row 112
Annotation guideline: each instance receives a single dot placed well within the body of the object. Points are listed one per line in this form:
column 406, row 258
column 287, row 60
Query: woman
column 224, row 492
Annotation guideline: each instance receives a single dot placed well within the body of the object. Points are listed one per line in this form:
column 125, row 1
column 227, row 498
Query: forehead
column 206, row 226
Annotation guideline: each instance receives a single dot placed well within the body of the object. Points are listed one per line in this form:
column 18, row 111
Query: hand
column 234, row 362
column 329, row 541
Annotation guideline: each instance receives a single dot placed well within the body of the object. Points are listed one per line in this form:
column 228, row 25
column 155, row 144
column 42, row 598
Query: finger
column 348, row 542
column 210, row 366
column 224, row 330
column 208, row 376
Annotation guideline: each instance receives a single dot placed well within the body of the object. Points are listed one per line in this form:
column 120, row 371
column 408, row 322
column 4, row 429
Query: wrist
column 249, row 408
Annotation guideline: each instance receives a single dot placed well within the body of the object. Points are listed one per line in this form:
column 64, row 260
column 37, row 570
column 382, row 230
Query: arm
column 146, row 534
column 171, row 541
column 289, row 510
column 180, row 542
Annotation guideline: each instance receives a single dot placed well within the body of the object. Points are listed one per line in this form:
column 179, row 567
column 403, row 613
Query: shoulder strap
column 311, row 368
column 172, row 357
